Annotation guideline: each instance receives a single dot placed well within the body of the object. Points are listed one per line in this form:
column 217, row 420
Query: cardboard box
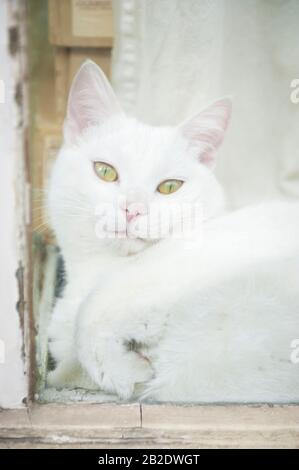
column 80, row 23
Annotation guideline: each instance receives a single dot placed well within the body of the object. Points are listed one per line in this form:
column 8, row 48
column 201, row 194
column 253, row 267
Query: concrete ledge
column 150, row 426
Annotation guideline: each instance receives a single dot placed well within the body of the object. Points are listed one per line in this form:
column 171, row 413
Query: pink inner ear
column 206, row 130
column 207, row 158
column 91, row 101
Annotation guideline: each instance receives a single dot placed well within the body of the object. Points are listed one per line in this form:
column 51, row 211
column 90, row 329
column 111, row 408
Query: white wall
column 12, row 379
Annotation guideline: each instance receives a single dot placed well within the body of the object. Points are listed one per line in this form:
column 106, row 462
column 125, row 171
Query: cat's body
column 210, row 316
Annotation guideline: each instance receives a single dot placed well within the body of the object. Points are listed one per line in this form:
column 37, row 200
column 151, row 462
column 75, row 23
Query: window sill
column 150, row 426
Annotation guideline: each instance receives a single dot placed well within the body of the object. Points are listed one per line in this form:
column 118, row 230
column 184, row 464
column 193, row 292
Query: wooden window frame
column 135, row 425
column 108, row 426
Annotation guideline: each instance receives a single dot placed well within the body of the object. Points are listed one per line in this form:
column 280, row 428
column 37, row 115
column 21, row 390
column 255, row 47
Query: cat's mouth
column 135, row 230
column 123, row 234
column 117, row 233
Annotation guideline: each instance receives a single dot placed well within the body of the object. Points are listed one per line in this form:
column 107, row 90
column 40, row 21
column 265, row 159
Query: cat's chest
column 85, row 276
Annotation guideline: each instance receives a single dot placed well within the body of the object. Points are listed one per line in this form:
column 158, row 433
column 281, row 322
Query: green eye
column 106, row 172
column 169, row 186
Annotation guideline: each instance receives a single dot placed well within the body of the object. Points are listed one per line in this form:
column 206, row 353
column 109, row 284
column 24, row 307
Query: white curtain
column 173, row 57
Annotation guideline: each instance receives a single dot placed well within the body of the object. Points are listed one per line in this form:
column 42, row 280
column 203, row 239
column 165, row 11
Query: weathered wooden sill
column 150, row 426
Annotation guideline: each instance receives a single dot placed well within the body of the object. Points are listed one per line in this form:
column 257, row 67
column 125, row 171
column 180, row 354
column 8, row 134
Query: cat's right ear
column 91, row 101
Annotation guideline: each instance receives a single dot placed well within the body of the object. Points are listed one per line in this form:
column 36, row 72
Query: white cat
column 164, row 300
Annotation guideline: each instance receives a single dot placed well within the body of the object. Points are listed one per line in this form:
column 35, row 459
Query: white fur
column 212, row 318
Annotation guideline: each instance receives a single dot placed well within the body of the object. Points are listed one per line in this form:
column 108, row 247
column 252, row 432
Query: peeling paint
column 14, row 247
column 19, row 94
column 60, row 439
column 14, row 40
column 21, row 303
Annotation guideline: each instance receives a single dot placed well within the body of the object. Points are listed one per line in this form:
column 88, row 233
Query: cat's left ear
column 205, row 131
column 91, row 101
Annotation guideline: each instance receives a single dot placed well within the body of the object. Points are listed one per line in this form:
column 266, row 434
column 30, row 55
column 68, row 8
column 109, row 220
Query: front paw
column 124, row 374
column 117, row 370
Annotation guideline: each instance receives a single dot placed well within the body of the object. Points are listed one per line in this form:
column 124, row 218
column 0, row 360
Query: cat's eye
column 169, row 186
column 106, row 172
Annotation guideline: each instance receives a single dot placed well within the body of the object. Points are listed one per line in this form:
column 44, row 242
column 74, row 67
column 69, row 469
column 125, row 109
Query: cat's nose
column 130, row 215
column 133, row 210
column 133, row 204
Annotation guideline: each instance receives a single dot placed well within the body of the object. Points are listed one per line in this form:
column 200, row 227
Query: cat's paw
column 123, row 374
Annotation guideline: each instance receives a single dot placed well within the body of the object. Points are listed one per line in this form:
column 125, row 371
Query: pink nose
column 131, row 214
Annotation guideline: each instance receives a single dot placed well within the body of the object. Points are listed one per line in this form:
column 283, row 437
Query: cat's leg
column 106, row 327
column 68, row 372
column 114, row 368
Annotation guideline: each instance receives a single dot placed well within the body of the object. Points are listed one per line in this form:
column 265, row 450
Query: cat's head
column 121, row 184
